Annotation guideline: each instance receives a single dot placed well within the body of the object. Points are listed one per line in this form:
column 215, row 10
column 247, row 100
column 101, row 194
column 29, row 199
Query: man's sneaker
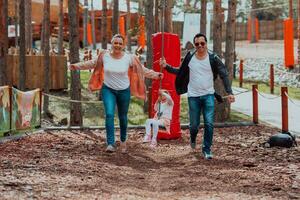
column 208, row 155
column 153, row 144
column 110, row 149
column 123, row 147
column 147, row 138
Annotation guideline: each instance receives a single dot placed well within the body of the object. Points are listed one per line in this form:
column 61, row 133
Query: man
column 196, row 78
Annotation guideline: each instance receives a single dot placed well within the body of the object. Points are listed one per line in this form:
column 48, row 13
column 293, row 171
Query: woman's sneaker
column 123, row 147
column 147, row 138
column 110, row 149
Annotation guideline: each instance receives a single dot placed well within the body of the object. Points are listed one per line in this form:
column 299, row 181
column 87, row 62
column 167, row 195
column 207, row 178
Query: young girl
column 163, row 107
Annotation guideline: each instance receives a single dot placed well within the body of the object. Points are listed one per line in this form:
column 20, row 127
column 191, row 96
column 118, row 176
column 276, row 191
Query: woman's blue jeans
column 204, row 104
column 111, row 98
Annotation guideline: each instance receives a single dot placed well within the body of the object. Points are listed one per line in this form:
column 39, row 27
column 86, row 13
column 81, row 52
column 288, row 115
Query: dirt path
column 73, row 165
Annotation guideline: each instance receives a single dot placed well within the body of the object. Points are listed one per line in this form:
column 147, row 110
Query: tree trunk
column 291, row 9
column 115, row 18
column 230, row 44
column 128, row 22
column 76, row 109
column 3, row 41
column 61, row 28
column 46, row 50
column 28, row 26
column 220, row 109
column 156, row 17
column 93, row 25
column 203, row 17
column 85, row 21
column 149, row 28
column 104, row 25
column 16, row 22
column 298, row 32
column 217, row 28
column 22, row 58
column 253, row 18
column 168, row 16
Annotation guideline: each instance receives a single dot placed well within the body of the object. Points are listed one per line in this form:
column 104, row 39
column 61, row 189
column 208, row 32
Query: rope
column 71, row 100
column 291, row 100
column 285, row 72
column 162, row 45
column 270, row 98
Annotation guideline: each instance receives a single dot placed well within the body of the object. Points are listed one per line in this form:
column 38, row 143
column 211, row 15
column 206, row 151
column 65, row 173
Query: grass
column 265, row 88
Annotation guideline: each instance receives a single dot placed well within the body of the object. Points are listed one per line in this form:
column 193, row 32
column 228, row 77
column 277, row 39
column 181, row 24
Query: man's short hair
column 199, row 35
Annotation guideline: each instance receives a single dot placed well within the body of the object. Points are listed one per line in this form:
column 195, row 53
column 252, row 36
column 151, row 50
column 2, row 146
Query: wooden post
column 272, row 79
column 150, row 101
column 41, row 101
column 241, row 72
column 284, row 107
column 10, row 109
column 255, row 103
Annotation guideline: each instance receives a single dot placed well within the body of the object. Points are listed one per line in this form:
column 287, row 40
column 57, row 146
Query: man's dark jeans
column 110, row 98
column 204, row 104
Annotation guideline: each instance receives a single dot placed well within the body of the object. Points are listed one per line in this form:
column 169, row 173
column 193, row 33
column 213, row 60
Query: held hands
column 162, row 62
column 231, row 98
column 160, row 76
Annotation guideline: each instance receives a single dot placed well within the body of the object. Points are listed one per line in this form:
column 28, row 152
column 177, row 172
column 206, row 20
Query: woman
column 117, row 74
column 164, row 108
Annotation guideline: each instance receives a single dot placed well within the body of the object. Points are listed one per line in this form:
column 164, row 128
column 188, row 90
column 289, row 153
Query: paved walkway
column 269, row 109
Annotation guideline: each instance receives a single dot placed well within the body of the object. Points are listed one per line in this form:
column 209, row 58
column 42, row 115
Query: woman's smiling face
column 117, row 44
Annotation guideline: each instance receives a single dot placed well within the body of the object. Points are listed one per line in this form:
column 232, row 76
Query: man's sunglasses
column 201, row 43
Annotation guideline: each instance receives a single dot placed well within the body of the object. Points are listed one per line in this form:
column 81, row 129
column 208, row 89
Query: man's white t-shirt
column 116, row 71
column 201, row 77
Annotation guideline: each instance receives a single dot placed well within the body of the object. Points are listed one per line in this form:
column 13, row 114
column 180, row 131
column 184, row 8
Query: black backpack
column 282, row 140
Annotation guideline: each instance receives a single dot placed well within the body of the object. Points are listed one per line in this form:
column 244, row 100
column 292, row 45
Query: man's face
column 200, row 44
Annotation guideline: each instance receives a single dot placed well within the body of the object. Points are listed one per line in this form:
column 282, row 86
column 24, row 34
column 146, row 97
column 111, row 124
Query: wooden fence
column 35, row 71
column 268, row 30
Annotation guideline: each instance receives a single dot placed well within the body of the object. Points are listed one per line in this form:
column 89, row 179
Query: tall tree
column 217, row 27
column 46, row 51
column 16, row 22
column 93, row 25
column 22, row 54
column 291, row 9
column 104, row 25
column 298, row 7
column 60, row 28
column 115, row 18
column 220, row 109
column 28, row 26
column 76, row 109
column 203, row 16
column 230, row 44
column 128, row 22
column 85, row 21
column 253, row 19
column 168, row 16
column 3, row 41
column 156, row 16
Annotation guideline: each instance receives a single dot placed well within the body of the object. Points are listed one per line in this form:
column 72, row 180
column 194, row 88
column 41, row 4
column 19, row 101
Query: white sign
column 191, row 27
column 12, row 31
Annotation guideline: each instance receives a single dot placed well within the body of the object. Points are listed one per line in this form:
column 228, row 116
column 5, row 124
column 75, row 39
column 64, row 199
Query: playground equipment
column 171, row 52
